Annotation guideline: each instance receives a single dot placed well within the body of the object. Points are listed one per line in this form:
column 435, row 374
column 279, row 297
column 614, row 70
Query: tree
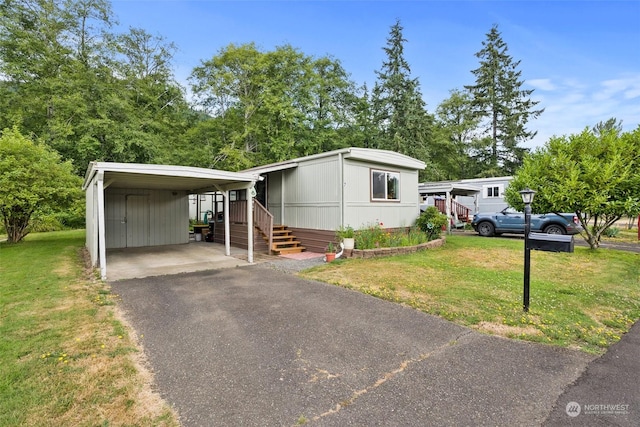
column 455, row 129
column 399, row 109
column 32, row 178
column 275, row 105
column 594, row 174
column 88, row 93
column 502, row 105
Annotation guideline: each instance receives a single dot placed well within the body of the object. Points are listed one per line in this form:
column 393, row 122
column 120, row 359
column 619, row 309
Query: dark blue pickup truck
column 510, row 221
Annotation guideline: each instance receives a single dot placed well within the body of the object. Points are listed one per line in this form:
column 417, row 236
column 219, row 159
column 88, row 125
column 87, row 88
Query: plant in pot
column 347, row 235
column 330, row 253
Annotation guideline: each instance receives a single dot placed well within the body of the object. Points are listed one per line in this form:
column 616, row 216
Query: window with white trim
column 493, row 191
column 385, row 185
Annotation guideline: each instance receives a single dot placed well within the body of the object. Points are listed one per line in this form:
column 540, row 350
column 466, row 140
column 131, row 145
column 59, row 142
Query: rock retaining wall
column 379, row 252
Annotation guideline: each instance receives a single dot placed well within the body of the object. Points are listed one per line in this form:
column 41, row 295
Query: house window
column 385, row 185
column 493, row 191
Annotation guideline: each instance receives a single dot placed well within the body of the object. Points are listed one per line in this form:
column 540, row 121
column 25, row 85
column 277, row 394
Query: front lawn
column 586, row 299
column 65, row 357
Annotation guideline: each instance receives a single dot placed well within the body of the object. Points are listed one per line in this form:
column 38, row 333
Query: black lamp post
column 527, row 197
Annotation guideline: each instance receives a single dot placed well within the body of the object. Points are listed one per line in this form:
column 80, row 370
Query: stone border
column 380, row 252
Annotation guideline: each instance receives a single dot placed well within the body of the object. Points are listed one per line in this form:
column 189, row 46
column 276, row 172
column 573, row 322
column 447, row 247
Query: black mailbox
column 550, row 242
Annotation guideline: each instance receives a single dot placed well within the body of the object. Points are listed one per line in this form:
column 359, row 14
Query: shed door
column 137, row 219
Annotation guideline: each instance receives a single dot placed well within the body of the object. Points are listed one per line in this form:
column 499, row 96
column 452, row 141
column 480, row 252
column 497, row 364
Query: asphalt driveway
column 255, row 346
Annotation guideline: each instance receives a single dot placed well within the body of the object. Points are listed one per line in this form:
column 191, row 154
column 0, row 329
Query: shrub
column 431, row 222
column 345, row 232
column 374, row 236
column 612, row 232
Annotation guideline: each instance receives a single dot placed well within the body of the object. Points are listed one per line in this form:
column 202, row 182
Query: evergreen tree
column 398, row 107
column 503, row 107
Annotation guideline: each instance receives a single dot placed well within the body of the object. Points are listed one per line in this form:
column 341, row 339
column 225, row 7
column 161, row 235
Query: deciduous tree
column 594, row 174
column 32, row 178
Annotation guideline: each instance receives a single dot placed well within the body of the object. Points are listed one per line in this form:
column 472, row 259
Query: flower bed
column 398, row 250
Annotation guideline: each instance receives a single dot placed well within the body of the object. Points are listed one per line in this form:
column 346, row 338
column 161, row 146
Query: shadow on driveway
column 255, row 346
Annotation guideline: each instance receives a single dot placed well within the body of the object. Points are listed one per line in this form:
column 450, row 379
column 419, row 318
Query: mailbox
column 550, row 242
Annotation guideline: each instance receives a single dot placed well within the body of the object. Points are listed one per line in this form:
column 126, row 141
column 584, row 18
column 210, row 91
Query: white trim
column 102, row 244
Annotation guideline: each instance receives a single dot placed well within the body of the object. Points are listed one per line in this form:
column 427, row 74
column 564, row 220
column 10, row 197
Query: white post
column 250, row 192
column 102, row 249
column 227, row 232
column 448, row 210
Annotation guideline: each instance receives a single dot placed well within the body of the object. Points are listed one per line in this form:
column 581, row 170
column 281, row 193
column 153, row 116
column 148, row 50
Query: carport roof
column 455, row 188
column 168, row 177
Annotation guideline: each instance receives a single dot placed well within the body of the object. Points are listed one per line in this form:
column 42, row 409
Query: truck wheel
column 555, row 229
column 486, row 229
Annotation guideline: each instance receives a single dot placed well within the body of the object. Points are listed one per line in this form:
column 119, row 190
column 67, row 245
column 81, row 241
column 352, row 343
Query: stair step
column 287, row 237
column 286, row 244
column 295, row 250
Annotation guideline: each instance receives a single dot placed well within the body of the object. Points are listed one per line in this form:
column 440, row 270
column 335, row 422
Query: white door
column 137, row 220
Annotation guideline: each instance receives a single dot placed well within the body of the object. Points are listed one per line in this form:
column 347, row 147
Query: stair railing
column 263, row 219
column 458, row 210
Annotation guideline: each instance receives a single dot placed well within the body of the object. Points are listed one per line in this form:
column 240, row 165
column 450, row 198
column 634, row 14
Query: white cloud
column 575, row 104
column 542, row 84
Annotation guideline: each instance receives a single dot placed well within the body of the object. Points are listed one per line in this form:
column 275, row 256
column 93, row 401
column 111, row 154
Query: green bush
column 612, row 232
column 431, row 222
column 374, row 236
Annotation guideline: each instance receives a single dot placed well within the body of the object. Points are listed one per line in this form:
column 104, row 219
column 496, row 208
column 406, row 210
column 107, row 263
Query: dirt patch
column 507, row 330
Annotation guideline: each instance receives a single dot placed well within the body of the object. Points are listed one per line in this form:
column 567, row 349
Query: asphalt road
column 256, row 346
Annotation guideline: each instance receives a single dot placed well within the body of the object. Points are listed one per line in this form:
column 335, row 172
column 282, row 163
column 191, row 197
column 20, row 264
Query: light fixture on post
column 527, row 198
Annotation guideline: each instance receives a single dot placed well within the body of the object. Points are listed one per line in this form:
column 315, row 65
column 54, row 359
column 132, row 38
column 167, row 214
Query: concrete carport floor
column 255, row 346
column 129, row 263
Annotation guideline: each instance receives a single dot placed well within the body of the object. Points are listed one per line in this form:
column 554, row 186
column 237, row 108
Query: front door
column 137, row 220
column 261, row 192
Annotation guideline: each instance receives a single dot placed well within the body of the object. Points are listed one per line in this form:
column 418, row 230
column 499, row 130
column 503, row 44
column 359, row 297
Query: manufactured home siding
column 274, row 196
column 312, row 195
column 360, row 211
column 487, row 203
column 146, row 218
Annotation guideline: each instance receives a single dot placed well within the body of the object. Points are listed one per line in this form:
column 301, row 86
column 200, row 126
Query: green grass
column 586, row 299
column 65, row 358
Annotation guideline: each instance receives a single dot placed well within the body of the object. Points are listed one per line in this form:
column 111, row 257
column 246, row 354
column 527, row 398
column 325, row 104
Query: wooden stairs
column 284, row 242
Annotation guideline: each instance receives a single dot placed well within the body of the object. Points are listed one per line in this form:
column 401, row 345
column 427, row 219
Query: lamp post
column 527, row 197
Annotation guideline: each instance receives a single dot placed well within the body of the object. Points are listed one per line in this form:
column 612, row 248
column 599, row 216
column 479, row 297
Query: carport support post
column 250, row 192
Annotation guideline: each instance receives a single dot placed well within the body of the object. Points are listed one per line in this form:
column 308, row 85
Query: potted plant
column 347, row 235
column 330, row 253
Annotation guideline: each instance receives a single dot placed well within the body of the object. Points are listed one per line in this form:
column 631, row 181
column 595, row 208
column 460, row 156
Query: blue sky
column 581, row 57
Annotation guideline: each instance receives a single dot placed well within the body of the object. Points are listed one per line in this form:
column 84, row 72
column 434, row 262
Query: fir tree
column 398, row 106
column 502, row 106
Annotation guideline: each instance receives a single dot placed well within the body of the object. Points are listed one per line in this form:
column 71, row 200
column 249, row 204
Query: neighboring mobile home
column 466, row 196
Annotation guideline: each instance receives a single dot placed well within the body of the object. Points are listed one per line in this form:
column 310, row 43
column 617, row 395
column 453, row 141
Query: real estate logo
column 573, row 409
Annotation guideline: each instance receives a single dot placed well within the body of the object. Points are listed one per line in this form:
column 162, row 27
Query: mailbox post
column 527, row 197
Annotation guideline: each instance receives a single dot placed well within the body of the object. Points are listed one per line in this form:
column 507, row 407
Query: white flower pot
column 349, row 243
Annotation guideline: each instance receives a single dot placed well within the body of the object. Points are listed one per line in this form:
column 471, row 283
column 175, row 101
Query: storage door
column 137, row 220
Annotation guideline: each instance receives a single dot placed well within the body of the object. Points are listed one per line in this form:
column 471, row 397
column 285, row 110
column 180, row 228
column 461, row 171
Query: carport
column 138, row 205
